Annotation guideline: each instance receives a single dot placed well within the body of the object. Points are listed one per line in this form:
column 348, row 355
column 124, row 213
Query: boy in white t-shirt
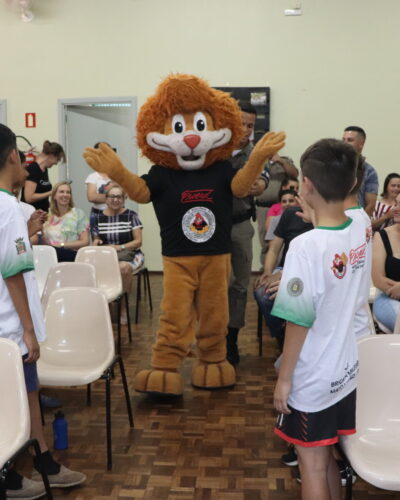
column 21, row 317
column 322, row 287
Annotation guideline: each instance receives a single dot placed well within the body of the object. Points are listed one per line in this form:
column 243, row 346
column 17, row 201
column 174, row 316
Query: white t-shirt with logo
column 98, row 179
column 322, row 287
column 361, row 319
column 16, row 257
column 27, row 210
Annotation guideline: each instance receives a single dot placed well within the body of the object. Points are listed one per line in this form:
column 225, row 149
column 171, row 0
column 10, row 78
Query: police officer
column 242, row 234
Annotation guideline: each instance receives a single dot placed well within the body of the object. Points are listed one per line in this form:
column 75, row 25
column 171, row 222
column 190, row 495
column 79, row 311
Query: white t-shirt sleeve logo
column 20, row 245
column 295, row 287
column 294, row 301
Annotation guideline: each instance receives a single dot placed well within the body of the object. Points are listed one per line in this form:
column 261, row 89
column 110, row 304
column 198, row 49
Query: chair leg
column 41, row 409
column 348, row 471
column 108, row 419
column 119, row 325
column 128, row 316
column 126, row 390
column 260, row 332
column 43, row 473
column 137, row 299
column 88, row 395
column 349, row 481
column 147, row 279
column 144, row 280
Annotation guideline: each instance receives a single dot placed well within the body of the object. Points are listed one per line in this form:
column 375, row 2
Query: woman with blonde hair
column 67, row 227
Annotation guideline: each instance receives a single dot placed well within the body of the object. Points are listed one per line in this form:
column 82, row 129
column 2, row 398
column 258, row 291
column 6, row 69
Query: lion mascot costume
column 189, row 131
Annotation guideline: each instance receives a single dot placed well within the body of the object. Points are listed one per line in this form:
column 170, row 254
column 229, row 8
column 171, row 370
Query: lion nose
column 191, row 140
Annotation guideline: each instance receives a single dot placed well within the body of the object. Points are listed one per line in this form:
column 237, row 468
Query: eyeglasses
column 114, row 196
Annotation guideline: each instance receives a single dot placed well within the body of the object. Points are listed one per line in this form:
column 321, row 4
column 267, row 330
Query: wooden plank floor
column 205, row 446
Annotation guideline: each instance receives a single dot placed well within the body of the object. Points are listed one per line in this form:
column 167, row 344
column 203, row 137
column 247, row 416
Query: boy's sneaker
column 342, row 471
column 63, row 479
column 28, row 491
column 290, row 458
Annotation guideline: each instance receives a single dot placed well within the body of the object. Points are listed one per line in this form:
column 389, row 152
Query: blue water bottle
column 60, row 431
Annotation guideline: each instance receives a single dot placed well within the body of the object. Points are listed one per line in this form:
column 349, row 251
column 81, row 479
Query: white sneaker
column 64, row 479
column 29, row 490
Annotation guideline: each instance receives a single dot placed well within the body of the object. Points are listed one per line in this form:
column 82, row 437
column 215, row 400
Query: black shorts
column 321, row 428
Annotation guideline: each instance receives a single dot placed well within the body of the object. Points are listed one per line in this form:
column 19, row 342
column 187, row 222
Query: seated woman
column 386, row 271
column 288, row 184
column 67, row 227
column 287, row 198
column 120, row 228
column 383, row 211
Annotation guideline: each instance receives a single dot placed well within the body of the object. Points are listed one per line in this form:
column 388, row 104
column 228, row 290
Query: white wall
column 335, row 65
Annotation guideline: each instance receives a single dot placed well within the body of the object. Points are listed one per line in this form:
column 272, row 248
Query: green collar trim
column 357, row 207
column 6, row 191
column 337, row 228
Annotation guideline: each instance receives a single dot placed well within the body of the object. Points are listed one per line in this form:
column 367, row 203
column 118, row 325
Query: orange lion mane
column 180, row 93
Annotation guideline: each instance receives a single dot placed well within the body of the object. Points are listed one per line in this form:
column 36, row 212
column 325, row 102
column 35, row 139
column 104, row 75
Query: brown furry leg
column 177, row 325
column 212, row 371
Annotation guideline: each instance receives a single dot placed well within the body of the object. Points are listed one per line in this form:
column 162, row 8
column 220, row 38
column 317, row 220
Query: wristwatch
column 122, row 247
column 62, row 244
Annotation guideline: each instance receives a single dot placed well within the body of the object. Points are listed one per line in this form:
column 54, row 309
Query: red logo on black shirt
column 197, row 195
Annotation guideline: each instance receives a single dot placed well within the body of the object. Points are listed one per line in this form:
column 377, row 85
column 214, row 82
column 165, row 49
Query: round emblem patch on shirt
column 295, row 287
column 198, row 224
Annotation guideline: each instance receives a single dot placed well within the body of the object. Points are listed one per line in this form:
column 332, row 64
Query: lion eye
column 178, row 124
column 200, row 122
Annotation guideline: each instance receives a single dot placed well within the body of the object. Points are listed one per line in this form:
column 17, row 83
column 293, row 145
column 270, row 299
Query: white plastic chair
column 44, row 258
column 374, row 450
column 68, row 274
column 372, row 294
column 108, row 275
column 80, row 346
column 15, row 424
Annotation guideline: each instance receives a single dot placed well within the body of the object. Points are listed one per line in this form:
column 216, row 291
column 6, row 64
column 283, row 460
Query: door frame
column 63, row 104
column 3, row 111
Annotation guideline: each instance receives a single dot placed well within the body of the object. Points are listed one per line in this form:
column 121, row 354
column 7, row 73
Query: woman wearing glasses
column 120, row 228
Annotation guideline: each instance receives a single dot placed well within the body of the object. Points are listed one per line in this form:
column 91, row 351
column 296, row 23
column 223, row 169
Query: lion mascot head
column 188, row 125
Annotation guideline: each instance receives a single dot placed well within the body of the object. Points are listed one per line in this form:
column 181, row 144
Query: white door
column 88, row 123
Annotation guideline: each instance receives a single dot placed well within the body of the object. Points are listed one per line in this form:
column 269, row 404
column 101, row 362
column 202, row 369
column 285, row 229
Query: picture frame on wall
column 259, row 98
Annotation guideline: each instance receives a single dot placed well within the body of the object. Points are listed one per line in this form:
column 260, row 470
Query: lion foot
column 160, row 382
column 213, row 375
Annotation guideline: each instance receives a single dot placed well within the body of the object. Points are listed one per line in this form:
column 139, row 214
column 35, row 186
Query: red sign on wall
column 30, row 120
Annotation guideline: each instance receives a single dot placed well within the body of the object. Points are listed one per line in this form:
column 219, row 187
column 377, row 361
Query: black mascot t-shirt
column 193, row 208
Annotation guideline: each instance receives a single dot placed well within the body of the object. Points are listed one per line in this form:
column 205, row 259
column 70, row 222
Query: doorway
column 82, row 123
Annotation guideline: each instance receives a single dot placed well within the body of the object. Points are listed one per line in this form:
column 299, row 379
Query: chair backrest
column 372, row 294
column 378, row 404
column 44, row 258
column 371, row 323
column 79, row 330
column 14, row 415
column 105, row 260
column 68, row 274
